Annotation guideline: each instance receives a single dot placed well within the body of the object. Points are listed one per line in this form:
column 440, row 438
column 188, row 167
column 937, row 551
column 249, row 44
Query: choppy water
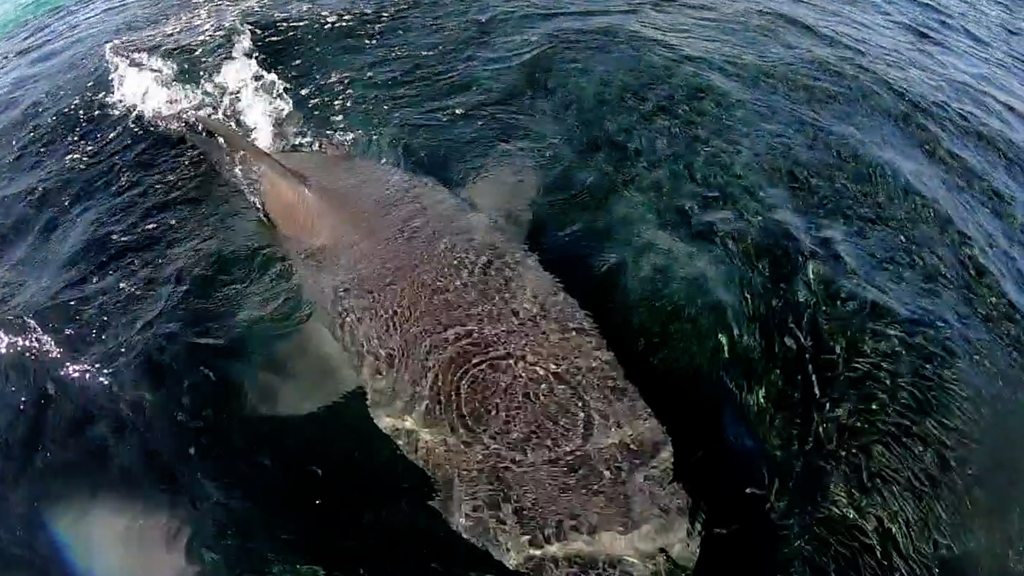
column 798, row 223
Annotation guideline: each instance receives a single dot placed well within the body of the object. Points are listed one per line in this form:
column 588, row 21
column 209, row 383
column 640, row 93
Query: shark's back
column 495, row 380
column 482, row 368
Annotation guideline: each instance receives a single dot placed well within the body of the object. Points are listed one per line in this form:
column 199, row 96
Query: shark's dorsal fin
column 503, row 192
column 236, row 141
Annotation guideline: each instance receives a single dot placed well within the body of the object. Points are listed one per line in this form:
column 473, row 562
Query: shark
column 474, row 359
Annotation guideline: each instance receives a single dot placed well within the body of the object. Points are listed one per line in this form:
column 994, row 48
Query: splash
column 146, row 84
column 240, row 90
column 257, row 97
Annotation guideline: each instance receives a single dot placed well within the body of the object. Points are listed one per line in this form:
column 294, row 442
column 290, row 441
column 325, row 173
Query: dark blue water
column 799, row 225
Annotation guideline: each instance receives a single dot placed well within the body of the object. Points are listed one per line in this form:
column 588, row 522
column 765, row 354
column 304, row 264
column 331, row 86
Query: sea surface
column 799, row 223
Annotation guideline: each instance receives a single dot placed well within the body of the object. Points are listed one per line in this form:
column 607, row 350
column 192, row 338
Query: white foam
column 255, row 96
column 240, row 91
column 146, row 84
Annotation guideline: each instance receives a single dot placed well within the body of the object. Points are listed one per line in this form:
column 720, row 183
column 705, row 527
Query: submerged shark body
column 478, row 364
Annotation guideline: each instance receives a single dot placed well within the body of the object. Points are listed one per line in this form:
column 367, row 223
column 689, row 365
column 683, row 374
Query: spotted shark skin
column 480, row 366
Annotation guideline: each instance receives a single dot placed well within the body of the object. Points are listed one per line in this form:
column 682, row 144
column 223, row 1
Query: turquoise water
column 798, row 224
column 15, row 13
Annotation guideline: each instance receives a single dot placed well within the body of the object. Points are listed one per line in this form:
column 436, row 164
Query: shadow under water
column 822, row 427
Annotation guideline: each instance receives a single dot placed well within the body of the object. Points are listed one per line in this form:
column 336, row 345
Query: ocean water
column 15, row 12
column 800, row 225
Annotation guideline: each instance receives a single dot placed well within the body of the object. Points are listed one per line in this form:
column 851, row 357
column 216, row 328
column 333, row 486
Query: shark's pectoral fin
column 307, row 371
column 504, row 192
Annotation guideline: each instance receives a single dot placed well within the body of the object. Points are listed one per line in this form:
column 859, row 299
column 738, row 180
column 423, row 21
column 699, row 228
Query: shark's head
column 295, row 208
column 291, row 201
